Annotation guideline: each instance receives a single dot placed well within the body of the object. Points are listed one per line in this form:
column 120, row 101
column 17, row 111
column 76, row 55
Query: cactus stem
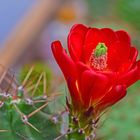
column 54, row 119
column 20, row 88
column 37, row 110
column 81, row 131
column 68, row 132
column 5, row 95
column 20, row 135
column 17, row 109
column 39, row 101
column 30, row 88
column 28, row 83
column 44, row 83
column 37, row 84
column 52, row 97
column 45, row 97
column 3, row 75
column 75, row 119
column 27, row 76
column 25, row 119
column 29, row 101
column 59, row 137
column 33, row 127
column 9, row 86
column 1, row 104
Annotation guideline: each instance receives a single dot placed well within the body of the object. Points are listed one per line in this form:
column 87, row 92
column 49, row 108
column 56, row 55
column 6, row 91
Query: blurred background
column 27, row 29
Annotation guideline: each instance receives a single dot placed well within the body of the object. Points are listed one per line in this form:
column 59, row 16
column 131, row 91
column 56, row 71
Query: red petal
column 92, row 86
column 66, row 64
column 91, row 41
column 125, row 67
column 74, row 91
column 123, row 37
column 116, row 94
column 76, row 41
column 133, row 54
column 131, row 76
column 112, row 76
column 118, row 54
column 81, row 67
column 108, row 36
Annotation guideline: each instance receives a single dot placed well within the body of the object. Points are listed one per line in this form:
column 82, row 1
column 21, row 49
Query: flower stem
column 76, row 136
column 75, row 133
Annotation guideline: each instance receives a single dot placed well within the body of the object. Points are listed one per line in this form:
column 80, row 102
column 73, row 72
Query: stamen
column 98, row 58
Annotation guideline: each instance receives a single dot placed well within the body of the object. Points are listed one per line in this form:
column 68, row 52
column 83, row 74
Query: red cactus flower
column 101, row 65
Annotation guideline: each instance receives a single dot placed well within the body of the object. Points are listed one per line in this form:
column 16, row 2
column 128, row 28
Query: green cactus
column 26, row 106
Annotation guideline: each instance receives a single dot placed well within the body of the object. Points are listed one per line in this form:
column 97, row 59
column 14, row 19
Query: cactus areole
column 101, row 65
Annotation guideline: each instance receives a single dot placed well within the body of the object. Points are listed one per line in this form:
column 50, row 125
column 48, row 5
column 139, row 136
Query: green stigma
column 100, row 50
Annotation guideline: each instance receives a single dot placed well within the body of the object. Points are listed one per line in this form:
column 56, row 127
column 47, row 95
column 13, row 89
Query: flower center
column 98, row 58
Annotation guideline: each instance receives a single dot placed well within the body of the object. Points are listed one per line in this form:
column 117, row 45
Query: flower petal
column 116, row 94
column 126, row 66
column 123, row 36
column 131, row 76
column 133, row 54
column 118, row 54
column 108, row 36
column 74, row 91
column 66, row 64
column 92, row 86
column 76, row 40
column 81, row 67
column 91, row 41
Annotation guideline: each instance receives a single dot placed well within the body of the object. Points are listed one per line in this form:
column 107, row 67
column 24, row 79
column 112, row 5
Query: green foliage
column 100, row 9
column 129, row 11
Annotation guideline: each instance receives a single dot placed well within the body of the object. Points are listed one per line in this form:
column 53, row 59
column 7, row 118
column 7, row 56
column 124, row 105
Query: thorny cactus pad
column 101, row 66
column 25, row 106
